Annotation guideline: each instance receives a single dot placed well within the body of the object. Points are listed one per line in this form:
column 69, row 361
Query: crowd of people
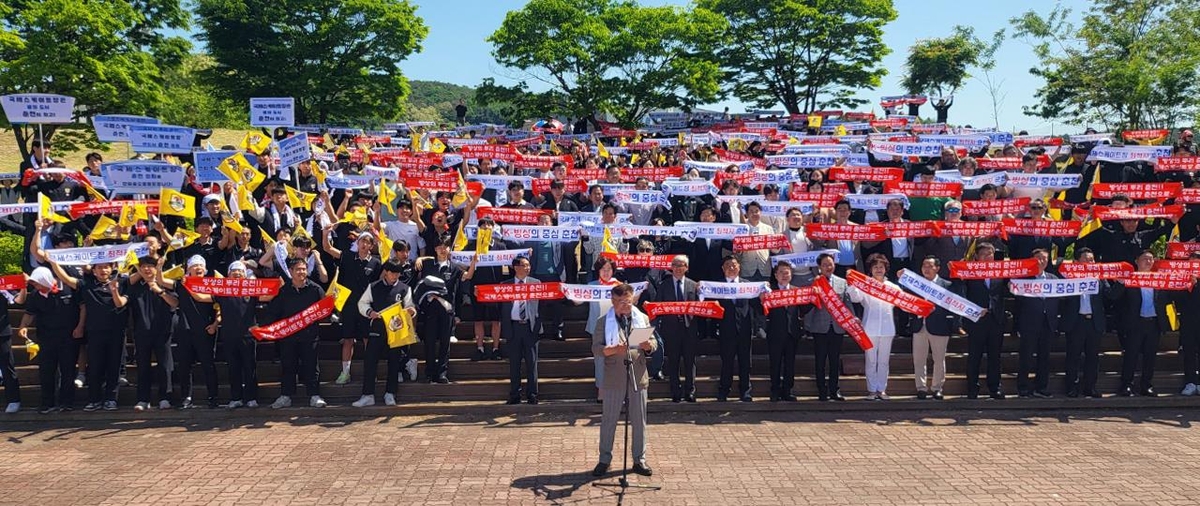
column 730, row 229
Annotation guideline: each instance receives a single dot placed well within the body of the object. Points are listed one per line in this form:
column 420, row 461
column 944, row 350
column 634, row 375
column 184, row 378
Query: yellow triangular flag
column 173, row 203
column 814, row 120
column 483, row 240
column 460, row 239
column 245, row 198
column 130, row 260
column 318, row 172
column 175, row 273
column 300, row 231
column 32, row 349
column 399, row 326
column 607, row 241
column 130, row 214
column 601, row 150
column 385, row 247
column 182, row 239
column 387, row 196
column 414, row 142
column 437, row 146
column 46, row 210
column 339, row 293
column 840, row 130
column 299, row 199
column 460, row 195
column 1089, row 226
column 1172, row 316
column 106, row 228
column 256, row 143
column 358, row 217
column 267, row 239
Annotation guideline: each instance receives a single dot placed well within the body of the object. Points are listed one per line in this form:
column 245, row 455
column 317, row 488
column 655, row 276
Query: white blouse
column 877, row 315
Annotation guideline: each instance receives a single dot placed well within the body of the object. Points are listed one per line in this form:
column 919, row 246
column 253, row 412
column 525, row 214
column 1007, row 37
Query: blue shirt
column 1147, row 303
column 1085, row 304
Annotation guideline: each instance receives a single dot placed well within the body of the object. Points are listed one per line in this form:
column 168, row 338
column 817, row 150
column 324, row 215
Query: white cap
column 237, row 265
column 197, row 260
column 212, row 197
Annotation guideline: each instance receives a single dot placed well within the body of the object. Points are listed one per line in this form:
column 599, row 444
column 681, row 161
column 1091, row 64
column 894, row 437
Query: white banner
column 148, row 177
column 781, row 207
column 716, row 166
column 803, row 161
column 1043, row 288
column 689, row 188
column 97, row 254
column 376, row 172
column 969, row 141
column 971, row 182
column 115, row 127
column 7, row 209
column 597, row 293
column 642, row 197
column 524, row 233
column 161, row 138
column 723, row 290
column 38, row 108
column 802, row 260
column 498, row 258
column 273, row 112
column 1045, row 181
column 924, row 149
column 575, row 219
column 294, row 150
column 874, row 202
column 206, row 163
column 1120, row 154
column 631, row 231
column 1081, row 138
column 715, row 230
column 936, row 294
column 340, row 182
column 775, row 177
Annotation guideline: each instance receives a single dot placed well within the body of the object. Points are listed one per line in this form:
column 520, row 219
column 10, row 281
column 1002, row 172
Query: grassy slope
column 10, row 156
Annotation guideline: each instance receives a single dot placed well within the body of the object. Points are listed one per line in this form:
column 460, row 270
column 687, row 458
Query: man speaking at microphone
column 616, row 327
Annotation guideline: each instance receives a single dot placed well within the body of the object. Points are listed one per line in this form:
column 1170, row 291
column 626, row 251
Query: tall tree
column 108, row 54
column 805, row 54
column 939, row 66
column 1129, row 64
column 340, row 59
column 612, row 55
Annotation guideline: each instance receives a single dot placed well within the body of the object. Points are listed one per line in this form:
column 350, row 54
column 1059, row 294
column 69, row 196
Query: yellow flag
column 267, row 239
column 414, row 142
column 607, row 241
column 358, row 217
column 1095, row 179
column 814, row 120
column 130, row 260
column 414, row 196
column 1089, row 226
column 245, row 198
column 229, row 222
column 339, row 293
column 299, row 231
column 32, row 349
column 318, row 172
column 256, row 143
column 175, row 273
column 387, row 196
column 399, row 326
column 437, row 146
column 173, row 203
column 840, row 130
column 682, row 139
column 106, row 228
column 130, row 214
column 46, row 210
column 182, row 239
column 385, row 247
column 299, row 199
column 460, row 239
column 483, row 240
column 603, row 151
column 460, row 195
column 97, row 196
column 1172, row 316
column 232, row 167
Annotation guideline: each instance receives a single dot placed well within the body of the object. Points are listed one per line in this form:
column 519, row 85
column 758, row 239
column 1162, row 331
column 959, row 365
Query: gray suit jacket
column 818, row 320
column 531, row 310
column 615, row 376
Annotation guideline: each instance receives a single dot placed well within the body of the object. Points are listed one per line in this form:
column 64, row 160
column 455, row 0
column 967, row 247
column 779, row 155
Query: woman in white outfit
column 878, row 322
column 604, row 269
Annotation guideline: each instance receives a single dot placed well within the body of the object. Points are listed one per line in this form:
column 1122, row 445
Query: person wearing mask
column 619, row 323
column 1144, row 314
column 237, row 316
column 1083, row 320
column 932, row 333
column 783, row 336
column 1037, row 324
column 297, row 352
column 520, row 326
column 378, row 296
column 827, row 334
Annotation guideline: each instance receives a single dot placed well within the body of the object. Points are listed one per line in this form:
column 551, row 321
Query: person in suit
column 617, row 326
column 680, row 332
column 932, row 333
column 783, row 335
column 899, row 251
column 1144, row 313
column 986, row 335
column 556, row 201
column 849, row 252
column 1037, row 324
column 1024, row 246
column 1188, row 304
column 708, row 254
column 520, row 327
column 735, row 329
column 1084, row 323
column 827, row 334
column 946, row 248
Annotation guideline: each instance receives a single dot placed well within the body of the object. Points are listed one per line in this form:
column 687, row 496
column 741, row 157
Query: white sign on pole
column 161, row 138
column 294, row 150
column 272, row 112
column 115, row 127
column 38, row 108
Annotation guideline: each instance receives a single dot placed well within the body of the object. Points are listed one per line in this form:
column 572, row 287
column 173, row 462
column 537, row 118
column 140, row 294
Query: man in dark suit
column 987, row 334
column 735, row 330
column 520, row 327
column 948, row 248
column 556, row 201
column 1188, row 304
column 707, row 254
column 1144, row 314
column 783, row 334
column 899, row 251
column 1084, row 322
column 680, row 332
column 1037, row 323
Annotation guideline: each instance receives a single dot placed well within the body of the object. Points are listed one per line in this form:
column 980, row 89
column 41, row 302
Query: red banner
column 1144, row 135
column 841, row 314
column 1189, row 267
column 295, row 323
column 997, row 269
column 1010, row 162
column 433, row 181
column 919, row 189
column 109, row 207
column 743, row 178
column 1046, row 228
column 1105, row 213
column 14, row 282
column 1137, row 191
column 493, row 151
column 859, row 173
column 790, row 297
column 734, row 156
column 233, row 287
column 1177, row 163
column 586, row 174
column 1159, row 280
column 1102, row 270
column 969, row 228
column 543, row 162
column 1037, row 140
column 1181, row 250
column 760, row 242
column 701, row 309
column 833, row 231
column 511, row 214
column 825, row 200
column 889, row 123
column 653, row 174
column 510, row 292
column 994, row 207
column 628, row 260
column 1189, row 196
column 898, row 229
column 905, row 301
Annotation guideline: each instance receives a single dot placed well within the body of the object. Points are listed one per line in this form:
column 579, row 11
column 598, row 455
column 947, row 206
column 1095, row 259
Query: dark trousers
column 984, row 338
column 654, row 363
column 1141, row 342
column 196, row 347
column 298, row 355
column 376, row 349
column 435, row 332
column 1083, row 348
column 522, row 345
column 735, row 347
column 1035, row 340
column 827, row 348
column 1189, row 341
column 143, row 346
column 105, row 350
column 781, row 350
column 56, row 370
column 680, row 348
column 552, row 313
column 12, row 387
column 241, row 354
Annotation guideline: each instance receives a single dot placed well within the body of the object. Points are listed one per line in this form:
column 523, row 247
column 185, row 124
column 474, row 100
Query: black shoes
column 479, row 355
column 690, row 398
column 600, row 469
column 789, row 398
column 533, row 401
column 1042, row 394
column 937, row 395
column 997, row 396
column 676, row 399
column 643, row 470
column 1072, row 392
column 922, row 395
column 744, row 398
column 1126, row 392
column 513, row 400
column 443, row 380
column 1149, row 392
column 497, row 354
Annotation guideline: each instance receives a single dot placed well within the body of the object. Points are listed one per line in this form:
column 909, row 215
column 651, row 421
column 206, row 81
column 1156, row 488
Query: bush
column 12, row 246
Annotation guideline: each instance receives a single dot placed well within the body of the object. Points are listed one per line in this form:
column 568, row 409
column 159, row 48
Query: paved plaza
column 1146, row 456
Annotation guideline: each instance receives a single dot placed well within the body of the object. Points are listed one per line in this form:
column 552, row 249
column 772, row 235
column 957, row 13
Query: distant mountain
column 435, row 101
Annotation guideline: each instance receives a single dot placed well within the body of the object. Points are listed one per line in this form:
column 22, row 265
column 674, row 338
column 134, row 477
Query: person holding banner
column 550, row 261
column 519, row 324
column 1144, row 314
column 194, row 332
column 849, row 252
column 680, row 333
column 898, row 250
column 932, row 333
column 783, row 335
column 152, row 308
column 827, row 334
column 104, row 323
column 596, row 244
column 237, row 316
column 879, row 321
column 616, row 326
column 1188, row 304
column 1085, row 323
column 986, row 335
column 945, row 248
column 734, row 335
column 378, row 296
column 1037, row 325
column 485, row 314
column 1023, row 246
column 297, row 352
column 1127, row 241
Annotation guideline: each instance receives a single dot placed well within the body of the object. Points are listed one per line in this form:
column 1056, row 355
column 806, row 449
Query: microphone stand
column 623, row 481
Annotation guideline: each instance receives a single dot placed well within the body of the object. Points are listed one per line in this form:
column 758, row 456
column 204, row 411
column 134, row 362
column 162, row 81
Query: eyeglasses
column 644, row 250
column 954, row 210
column 1037, row 207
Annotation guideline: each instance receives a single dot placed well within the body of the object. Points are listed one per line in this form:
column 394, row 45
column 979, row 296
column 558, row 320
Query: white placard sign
column 38, row 108
column 272, row 112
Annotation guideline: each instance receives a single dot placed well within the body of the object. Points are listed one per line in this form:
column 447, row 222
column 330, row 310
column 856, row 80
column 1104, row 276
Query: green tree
column 108, row 54
column 338, row 58
column 804, row 54
column 611, row 55
column 939, row 66
column 192, row 101
column 1129, row 64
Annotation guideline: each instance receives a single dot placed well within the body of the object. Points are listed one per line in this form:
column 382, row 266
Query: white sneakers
column 14, row 407
column 1189, row 389
column 141, row 406
column 411, row 366
column 364, row 401
column 282, row 402
column 453, row 339
column 343, row 378
column 317, row 402
column 164, row 404
column 80, row 380
column 252, row 404
column 883, row 396
column 234, row 405
column 389, row 399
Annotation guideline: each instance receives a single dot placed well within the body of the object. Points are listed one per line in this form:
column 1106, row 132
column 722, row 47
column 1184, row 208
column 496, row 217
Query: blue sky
column 456, row 51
